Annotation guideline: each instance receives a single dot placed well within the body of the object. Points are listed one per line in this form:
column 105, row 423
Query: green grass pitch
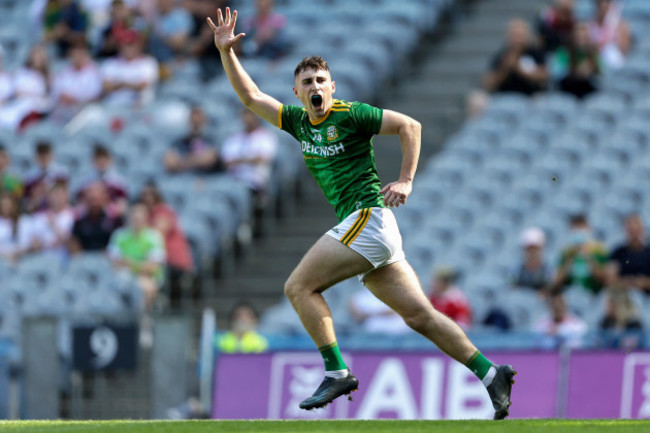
column 262, row 426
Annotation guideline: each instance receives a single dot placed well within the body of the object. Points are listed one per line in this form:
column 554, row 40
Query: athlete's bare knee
column 294, row 290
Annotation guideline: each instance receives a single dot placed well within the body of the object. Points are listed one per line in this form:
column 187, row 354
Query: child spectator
column 92, row 230
column 533, row 272
column 243, row 336
column 195, row 152
column 42, row 177
column 105, row 173
column 180, row 264
column 519, row 67
column 449, row 299
column 140, row 251
column 51, row 229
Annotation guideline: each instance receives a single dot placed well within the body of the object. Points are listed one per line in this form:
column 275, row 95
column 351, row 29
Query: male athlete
column 336, row 140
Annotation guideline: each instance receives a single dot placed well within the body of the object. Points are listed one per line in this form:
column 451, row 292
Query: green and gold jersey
column 338, row 152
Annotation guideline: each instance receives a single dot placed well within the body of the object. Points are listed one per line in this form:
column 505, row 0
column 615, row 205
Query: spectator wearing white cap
column 533, row 272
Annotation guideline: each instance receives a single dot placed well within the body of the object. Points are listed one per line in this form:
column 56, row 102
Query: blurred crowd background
column 132, row 181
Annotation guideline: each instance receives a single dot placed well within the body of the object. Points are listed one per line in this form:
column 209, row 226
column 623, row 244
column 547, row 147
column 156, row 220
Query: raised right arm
column 265, row 106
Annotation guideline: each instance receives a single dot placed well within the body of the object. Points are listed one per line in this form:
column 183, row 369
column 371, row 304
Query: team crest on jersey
column 332, row 133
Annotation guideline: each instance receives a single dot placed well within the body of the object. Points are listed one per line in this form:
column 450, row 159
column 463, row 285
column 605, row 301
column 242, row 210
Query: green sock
column 479, row 364
column 332, row 357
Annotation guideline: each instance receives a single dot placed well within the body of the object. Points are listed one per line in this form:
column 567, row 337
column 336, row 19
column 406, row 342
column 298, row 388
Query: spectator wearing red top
column 449, row 299
column 180, row 264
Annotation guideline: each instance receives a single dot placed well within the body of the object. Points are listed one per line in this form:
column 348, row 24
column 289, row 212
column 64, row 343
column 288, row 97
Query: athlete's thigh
column 397, row 286
column 326, row 263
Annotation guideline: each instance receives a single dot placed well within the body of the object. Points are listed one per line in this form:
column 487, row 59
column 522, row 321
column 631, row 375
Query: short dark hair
column 2, row 148
column 43, row 147
column 312, row 62
column 578, row 219
column 100, row 150
column 239, row 305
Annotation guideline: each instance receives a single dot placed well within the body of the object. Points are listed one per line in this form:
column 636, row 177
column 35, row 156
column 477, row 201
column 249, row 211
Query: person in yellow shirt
column 243, row 336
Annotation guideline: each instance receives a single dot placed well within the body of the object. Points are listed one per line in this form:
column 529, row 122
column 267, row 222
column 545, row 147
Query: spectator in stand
column 559, row 326
column 621, row 326
column 195, row 152
column 92, row 230
column 14, row 229
column 118, row 29
column 42, row 177
column 180, row 265
column 6, row 82
column 201, row 42
column 31, row 87
column 105, row 173
column 610, row 33
column 169, row 32
column 519, row 67
column 65, row 24
column 374, row 316
column 533, row 272
column 243, row 336
column 578, row 64
column 8, row 182
column 555, row 25
column 248, row 157
column 130, row 78
column 583, row 261
column 265, row 32
column 79, row 83
column 50, row 230
column 630, row 263
column 449, row 299
column 141, row 251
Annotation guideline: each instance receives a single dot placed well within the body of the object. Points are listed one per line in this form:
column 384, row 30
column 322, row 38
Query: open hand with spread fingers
column 224, row 31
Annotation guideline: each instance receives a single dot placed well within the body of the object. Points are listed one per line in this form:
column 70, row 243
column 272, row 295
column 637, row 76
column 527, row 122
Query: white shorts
column 373, row 233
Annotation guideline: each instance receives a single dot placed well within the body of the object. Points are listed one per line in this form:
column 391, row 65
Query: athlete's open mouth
column 316, row 101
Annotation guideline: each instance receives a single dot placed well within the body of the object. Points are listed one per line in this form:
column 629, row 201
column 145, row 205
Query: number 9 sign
column 104, row 345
